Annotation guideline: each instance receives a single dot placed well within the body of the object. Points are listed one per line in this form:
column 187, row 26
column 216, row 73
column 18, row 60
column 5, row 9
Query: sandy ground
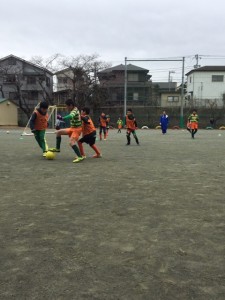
column 143, row 222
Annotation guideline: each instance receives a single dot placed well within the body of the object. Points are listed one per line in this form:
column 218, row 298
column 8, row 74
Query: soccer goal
column 53, row 111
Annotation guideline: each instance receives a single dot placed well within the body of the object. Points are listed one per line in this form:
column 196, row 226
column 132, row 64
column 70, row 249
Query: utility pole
column 125, row 88
column 197, row 58
column 169, row 78
column 182, row 97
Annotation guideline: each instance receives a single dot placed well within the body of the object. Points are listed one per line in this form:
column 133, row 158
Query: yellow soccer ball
column 50, row 155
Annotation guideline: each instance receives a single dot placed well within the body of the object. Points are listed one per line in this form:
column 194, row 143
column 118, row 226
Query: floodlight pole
column 125, row 88
column 182, row 97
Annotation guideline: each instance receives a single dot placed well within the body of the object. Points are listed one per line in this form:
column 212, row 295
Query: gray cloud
column 114, row 29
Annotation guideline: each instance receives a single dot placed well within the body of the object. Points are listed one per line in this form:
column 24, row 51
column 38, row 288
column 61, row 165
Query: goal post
column 53, row 111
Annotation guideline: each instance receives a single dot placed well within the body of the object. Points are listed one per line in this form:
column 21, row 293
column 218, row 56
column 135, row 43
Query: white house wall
column 203, row 88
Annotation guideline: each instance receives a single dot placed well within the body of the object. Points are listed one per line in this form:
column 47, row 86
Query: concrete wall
column 8, row 114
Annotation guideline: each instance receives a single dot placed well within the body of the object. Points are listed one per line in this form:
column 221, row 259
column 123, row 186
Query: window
column 114, row 96
column 135, row 96
column 217, row 78
column 62, row 80
column 31, row 95
column 173, row 99
column 41, row 78
column 132, row 77
column 31, row 80
column 10, row 79
column 47, row 81
column 190, row 79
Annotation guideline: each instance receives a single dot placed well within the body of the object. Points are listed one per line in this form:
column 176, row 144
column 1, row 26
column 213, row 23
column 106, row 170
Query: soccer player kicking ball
column 193, row 120
column 131, row 125
column 73, row 132
column 89, row 133
column 39, row 124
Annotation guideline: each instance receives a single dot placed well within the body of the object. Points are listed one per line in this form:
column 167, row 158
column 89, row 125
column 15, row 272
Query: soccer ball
column 50, row 155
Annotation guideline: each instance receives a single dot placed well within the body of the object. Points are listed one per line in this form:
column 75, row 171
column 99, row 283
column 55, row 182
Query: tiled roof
column 121, row 67
column 207, row 69
column 23, row 60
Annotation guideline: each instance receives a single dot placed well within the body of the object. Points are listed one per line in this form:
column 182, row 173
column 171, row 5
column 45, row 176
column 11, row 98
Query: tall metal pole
column 125, row 88
column 182, row 97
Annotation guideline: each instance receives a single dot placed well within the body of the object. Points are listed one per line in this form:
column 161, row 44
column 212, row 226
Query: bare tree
column 80, row 73
column 47, row 64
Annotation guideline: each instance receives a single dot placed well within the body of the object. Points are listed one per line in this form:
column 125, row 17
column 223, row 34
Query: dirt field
column 143, row 222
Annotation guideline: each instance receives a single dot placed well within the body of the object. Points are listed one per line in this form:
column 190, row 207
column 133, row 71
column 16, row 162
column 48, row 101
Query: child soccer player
column 102, row 124
column 107, row 124
column 188, row 126
column 119, row 125
column 73, row 132
column 164, row 120
column 89, row 133
column 193, row 120
column 39, row 124
column 131, row 125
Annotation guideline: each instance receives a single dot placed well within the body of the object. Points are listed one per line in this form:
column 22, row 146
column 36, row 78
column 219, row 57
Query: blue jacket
column 164, row 120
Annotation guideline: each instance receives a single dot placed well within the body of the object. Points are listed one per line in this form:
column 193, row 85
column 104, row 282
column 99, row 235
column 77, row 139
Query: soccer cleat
column 54, row 150
column 97, row 156
column 44, row 154
column 83, row 156
column 78, row 159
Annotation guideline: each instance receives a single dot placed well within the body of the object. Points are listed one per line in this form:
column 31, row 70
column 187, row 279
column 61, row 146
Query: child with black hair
column 39, row 124
column 131, row 126
column 193, row 120
column 89, row 133
column 73, row 132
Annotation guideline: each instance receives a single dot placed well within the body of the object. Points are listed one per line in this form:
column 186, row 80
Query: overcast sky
column 115, row 29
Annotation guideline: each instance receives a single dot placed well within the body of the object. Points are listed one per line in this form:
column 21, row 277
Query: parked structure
column 206, row 86
column 8, row 113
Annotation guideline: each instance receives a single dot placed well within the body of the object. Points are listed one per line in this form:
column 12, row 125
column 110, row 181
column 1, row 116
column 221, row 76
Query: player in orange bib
column 131, row 126
column 102, row 126
column 73, row 132
column 39, row 124
column 193, row 120
column 88, row 133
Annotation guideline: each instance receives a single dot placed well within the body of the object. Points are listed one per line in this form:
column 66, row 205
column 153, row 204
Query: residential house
column 64, row 86
column 168, row 94
column 70, row 83
column 24, row 83
column 138, row 85
column 206, row 86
